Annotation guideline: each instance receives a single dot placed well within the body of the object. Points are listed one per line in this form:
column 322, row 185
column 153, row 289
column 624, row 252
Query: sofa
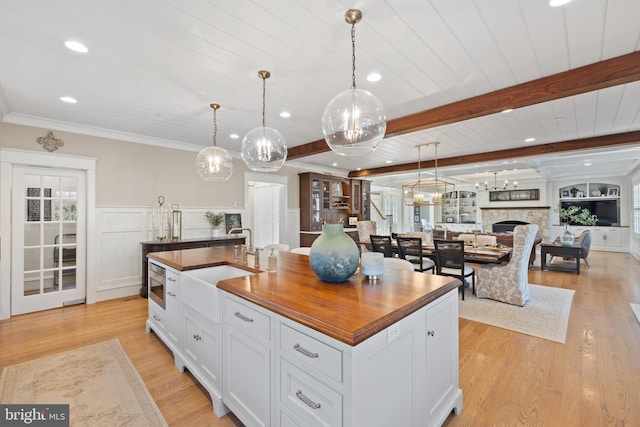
column 502, row 239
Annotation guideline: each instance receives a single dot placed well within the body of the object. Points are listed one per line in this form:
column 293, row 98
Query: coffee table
column 557, row 249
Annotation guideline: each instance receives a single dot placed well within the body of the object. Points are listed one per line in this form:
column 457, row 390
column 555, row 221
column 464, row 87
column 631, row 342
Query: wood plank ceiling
column 448, row 68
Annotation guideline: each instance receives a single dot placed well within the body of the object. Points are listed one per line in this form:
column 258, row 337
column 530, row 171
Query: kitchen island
column 298, row 351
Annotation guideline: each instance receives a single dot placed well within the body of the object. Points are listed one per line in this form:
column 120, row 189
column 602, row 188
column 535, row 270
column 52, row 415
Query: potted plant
column 215, row 220
column 574, row 215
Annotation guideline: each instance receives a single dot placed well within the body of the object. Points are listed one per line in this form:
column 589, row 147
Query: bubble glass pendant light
column 263, row 148
column 214, row 163
column 354, row 121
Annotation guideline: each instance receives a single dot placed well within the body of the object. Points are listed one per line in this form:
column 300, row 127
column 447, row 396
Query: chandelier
column 263, row 148
column 354, row 121
column 428, row 192
column 486, row 187
column 214, row 163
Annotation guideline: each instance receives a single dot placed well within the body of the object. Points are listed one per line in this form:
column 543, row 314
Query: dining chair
column 510, row 282
column 450, row 262
column 381, row 244
column 410, row 249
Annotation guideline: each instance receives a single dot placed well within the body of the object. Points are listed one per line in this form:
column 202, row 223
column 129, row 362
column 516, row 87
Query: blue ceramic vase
column 334, row 256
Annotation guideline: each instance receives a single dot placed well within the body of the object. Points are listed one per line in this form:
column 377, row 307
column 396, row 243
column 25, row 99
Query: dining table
column 482, row 254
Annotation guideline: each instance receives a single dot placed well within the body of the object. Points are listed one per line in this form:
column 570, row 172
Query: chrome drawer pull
column 305, row 351
column 156, row 318
column 171, row 279
column 171, row 294
column 197, row 337
column 241, row 317
column 306, row 400
column 431, row 333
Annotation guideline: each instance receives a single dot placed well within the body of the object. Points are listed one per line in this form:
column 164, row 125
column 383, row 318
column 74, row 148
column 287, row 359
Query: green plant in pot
column 215, row 220
column 574, row 215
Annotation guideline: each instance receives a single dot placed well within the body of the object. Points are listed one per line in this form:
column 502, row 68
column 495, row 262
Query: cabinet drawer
column 172, row 278
column 247, row 319
column 311, row 352
column 309, row 399
column 157, row 316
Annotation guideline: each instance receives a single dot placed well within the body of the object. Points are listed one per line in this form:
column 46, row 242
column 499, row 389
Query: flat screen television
column 607, row 210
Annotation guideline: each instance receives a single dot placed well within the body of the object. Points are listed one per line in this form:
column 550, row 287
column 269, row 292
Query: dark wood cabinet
column 330, row 199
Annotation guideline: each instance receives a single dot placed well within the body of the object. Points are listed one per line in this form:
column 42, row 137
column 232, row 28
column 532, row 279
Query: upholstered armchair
column 510, row 282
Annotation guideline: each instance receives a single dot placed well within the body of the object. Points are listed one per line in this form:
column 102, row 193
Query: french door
column 48, row 239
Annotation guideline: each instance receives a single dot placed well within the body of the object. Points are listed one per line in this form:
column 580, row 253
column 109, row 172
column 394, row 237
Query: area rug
column 99, row 382
column 546, row 315
column 636, row 310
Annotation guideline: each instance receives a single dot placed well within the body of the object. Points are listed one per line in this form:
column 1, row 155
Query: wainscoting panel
column 121, row 231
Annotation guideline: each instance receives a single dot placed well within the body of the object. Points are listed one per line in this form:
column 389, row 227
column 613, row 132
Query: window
column 636, row 207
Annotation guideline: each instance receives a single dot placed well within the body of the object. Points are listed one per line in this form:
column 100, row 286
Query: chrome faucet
column 238, row 230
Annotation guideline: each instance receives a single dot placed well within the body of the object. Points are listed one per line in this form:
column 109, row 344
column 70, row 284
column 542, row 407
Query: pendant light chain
column 264, row 96
column 215, row 126
column 353, row 55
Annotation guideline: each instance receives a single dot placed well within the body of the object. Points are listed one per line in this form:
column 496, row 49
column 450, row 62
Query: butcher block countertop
column 350, row 312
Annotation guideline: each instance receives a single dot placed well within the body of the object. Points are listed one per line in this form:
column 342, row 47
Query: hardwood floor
column 507, row 378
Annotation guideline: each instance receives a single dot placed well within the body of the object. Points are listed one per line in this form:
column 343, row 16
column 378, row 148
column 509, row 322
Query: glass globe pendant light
column 214, row 163
column 354, row 121
column 263, row 148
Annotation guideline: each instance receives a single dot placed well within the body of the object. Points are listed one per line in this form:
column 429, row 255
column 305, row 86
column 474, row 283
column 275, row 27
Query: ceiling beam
column 533, row 150
column 611, row 72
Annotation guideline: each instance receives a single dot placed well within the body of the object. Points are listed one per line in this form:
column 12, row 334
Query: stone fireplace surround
column 531, row 214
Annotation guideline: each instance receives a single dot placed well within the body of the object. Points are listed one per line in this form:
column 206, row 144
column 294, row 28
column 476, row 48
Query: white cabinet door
column 248, row 361
column 247, row 378
column 442, row 359
column 201, row 348
column 192, row 342
column 607, row 237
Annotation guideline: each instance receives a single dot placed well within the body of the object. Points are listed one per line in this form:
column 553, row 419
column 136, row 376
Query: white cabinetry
column 172, row 306
column 191, row 324
column 441, row 360
column 404, row 375
column 165, row 322
column 605, row 238
column 459, row 207
column 248, row 361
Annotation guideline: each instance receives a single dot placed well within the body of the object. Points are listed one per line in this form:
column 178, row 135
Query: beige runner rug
column 636, row 310
column 99, row 382
column 546, row 315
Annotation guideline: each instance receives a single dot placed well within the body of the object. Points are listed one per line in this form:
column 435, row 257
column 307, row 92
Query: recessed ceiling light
column 388, row 161
column 374, row 77
column 76, row 46
column 529, row 140
column 507, row 110
column 68, row 99
column 334, row 164
column 359, row 169
column 587, row 164
column 285, row 114
column 234, row 136
column 556, row 3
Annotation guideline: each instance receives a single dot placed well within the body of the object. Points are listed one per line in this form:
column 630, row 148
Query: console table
column 179, row 244
column 573, row 251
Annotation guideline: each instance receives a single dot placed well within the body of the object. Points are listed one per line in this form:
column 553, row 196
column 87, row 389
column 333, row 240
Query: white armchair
column 510, row 282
